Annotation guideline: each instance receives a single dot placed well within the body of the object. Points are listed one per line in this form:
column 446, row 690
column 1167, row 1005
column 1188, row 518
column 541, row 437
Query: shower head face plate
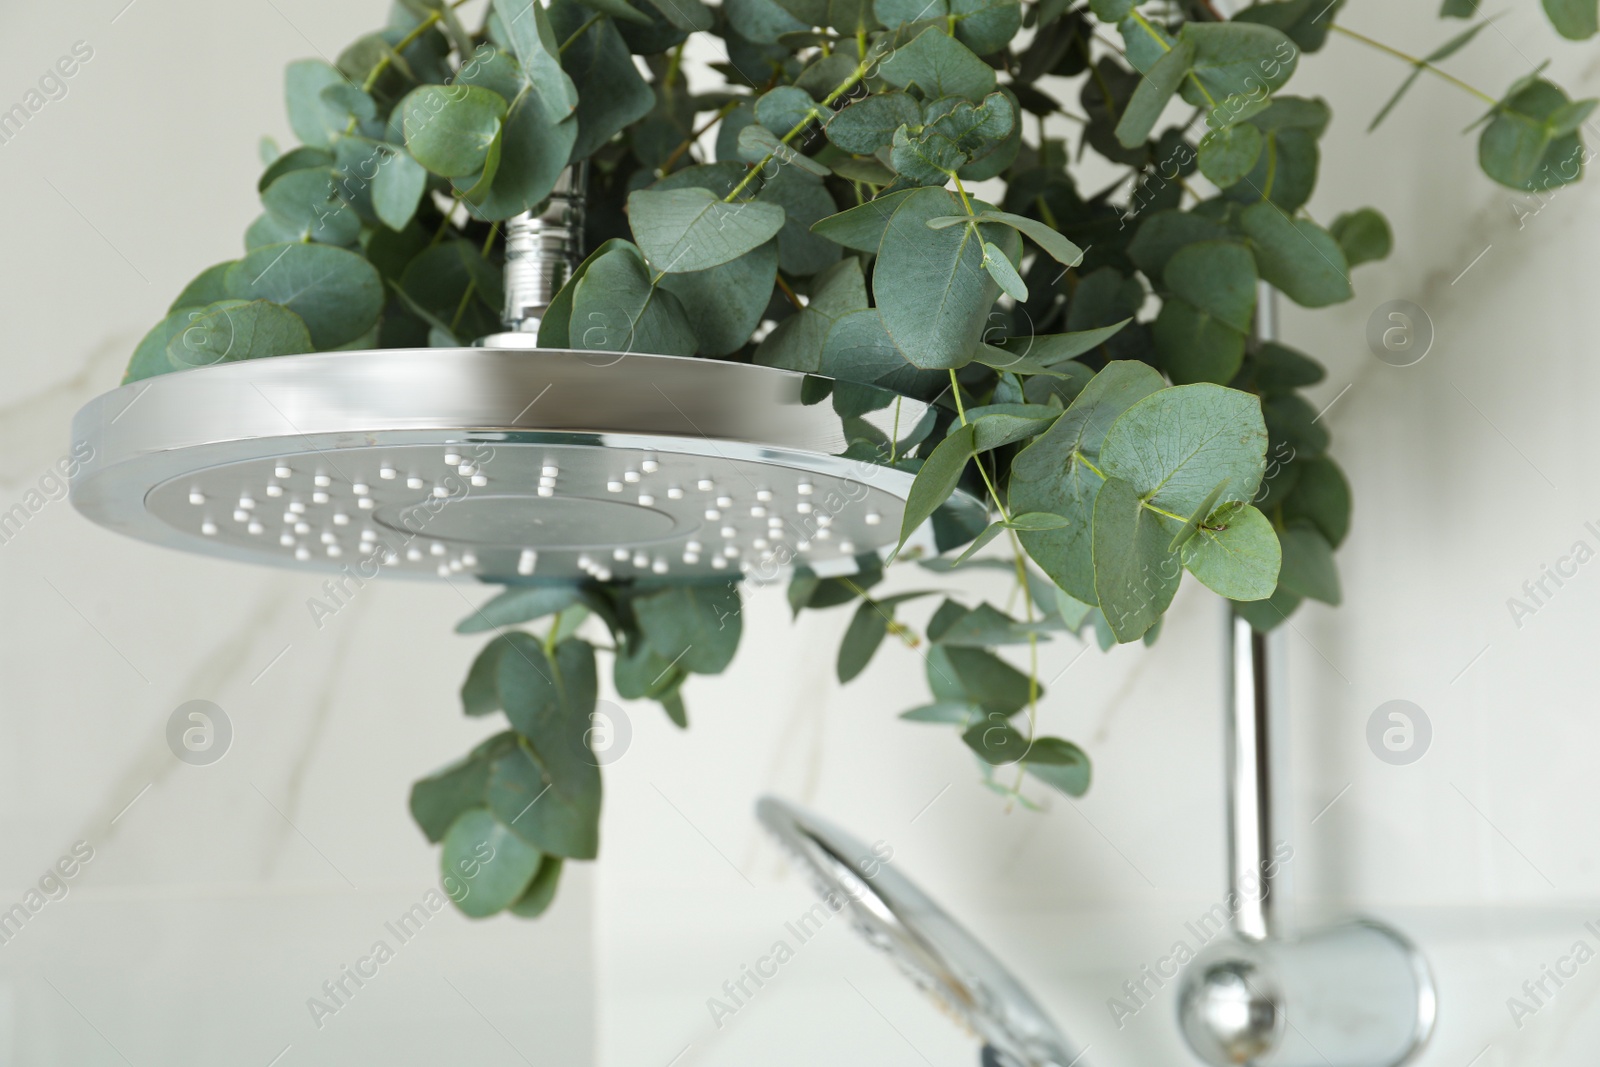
column 504, row 465
column 938, row 953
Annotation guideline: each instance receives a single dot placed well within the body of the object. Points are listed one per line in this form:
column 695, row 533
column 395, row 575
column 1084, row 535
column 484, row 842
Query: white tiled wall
column 222, row 897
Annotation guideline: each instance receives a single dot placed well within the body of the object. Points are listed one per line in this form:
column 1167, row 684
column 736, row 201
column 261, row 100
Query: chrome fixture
column 504, row 464
column 1357, row 994
column 938, row 953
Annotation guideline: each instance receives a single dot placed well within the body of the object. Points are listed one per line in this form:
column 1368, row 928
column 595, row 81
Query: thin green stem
column 961, row 410
column 688, row 142
column 795, row 131
column 961, row 191
column 579, row 32
column 1415, row 61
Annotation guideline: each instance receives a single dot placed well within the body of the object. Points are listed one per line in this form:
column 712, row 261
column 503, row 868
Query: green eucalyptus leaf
column 996, row 425
column 1060, row 764
column 1527, row 144
column 1363, row 236
column 1136, row 574
column 451, row 128
column 208, row 287
column 996, row 741
column 1236, row 59
column 307, row 204
column 1297, row 257
column 1175, row 446
column 1111, row 11
column 867, row 629
column 520, row 604
column 697, row 626
column 1058, row 247
column 1162, row 234
column 150, row 358
column 1058, row 474
column 783, row 108
column 1218, row 277
column 938, row 65
column 486, row 868
column 869, row 124
column 560, row 821
column 797, row 342
column 1576, row 20
column 861, row 228
column 541, row 892
column 1154, row 91
column 977, row 544
column 611, row 95
column 686, row 15
column 936, row 480
column 397, row 189
column 724, row 304
column 1321, row 496
column 555, row 325
column 1050, row 350
column 313, row 119
column 233, row 330
column 1195, row 345
column 439, row 799
column 930, row 285
column 761, row 21
column 1227, row 155
column 297, row 159
column 533, row 153
column 805, row 201
column 1003, row 272
column 949, row 713
column 615, row 308
column 682, row 230
column 976, row 676
column 1235, row 552
column 532, row 35
column 1308, row 567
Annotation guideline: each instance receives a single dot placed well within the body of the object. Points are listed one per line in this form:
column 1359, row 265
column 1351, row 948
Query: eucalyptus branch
column 1415, row 61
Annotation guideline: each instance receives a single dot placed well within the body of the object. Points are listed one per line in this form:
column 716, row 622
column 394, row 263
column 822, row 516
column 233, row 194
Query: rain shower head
column 505, row 464
column 938, row 953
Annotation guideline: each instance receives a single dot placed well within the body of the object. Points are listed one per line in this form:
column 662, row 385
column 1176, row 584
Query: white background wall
column 224, row 896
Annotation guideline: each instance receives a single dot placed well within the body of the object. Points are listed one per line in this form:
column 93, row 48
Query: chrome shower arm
column 543, row 248
column 1253, row 871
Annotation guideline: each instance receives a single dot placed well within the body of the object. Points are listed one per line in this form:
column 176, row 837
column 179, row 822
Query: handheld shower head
column 938, row 953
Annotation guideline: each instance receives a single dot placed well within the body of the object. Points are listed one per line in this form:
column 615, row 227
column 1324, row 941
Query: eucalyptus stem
column 579, row 32
column 688, row 142
column 827, row 101
column 961, row 410
column 1415, row 61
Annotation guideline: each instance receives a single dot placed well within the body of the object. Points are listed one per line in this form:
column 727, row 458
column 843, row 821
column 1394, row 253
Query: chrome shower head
column 938, row 953
column 505, row 462
column 499, row 463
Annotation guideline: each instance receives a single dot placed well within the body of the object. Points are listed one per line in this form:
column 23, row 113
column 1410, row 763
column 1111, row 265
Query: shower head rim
column 143, row 435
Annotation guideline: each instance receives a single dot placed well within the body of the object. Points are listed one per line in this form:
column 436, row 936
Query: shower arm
column 543, row 249
column 1251, row 732
column 1252, row 739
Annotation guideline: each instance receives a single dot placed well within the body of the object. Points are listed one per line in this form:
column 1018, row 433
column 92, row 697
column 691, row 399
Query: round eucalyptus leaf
column 450, row 128
column 336, row 292
column 485, row 867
